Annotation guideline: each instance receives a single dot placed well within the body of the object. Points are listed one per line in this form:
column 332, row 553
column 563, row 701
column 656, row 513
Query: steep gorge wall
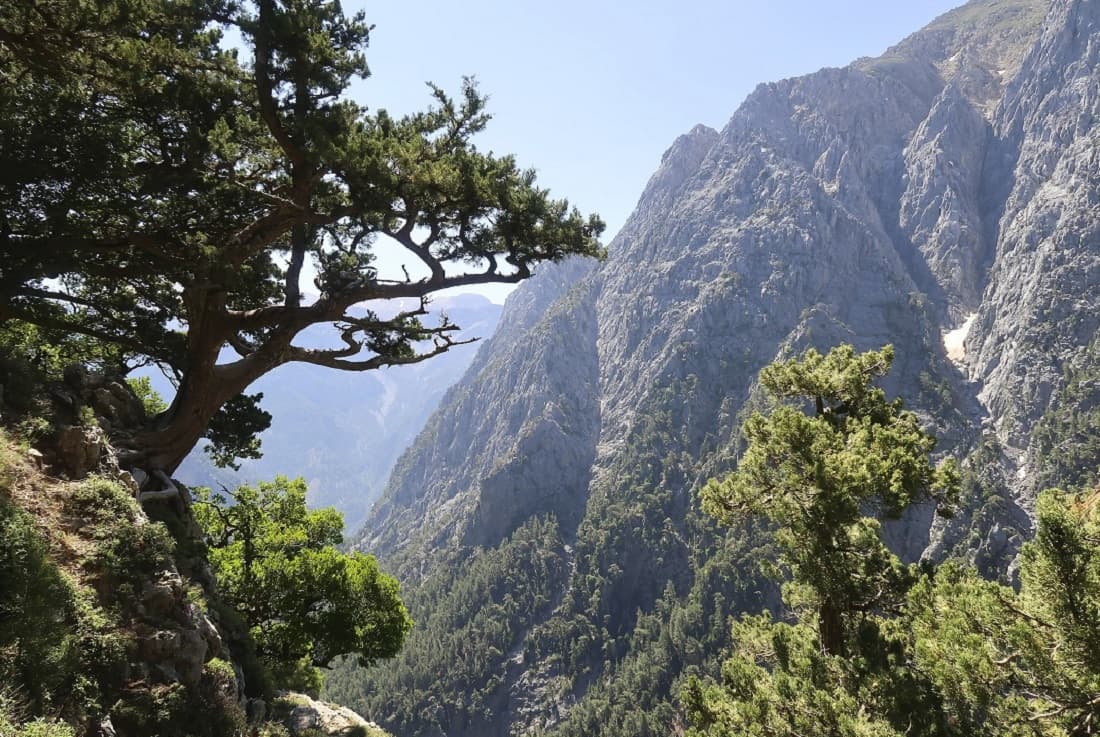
column 884, row 202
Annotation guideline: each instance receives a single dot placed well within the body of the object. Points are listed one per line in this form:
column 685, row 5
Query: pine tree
column 161, row 195
column 1023, row 662
column 839, row 666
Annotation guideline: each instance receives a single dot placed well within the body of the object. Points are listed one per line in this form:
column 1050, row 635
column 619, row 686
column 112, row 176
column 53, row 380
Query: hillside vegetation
column 812, row 448
column 947, row 187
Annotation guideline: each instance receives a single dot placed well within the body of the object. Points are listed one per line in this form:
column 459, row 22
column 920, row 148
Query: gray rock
column 80, row 449
column 879, row 203
column 304, row 715
column 106, row 728
column 191, row 656
column 116, row 403
column 36, row 457
column 160, row 596
column 160, row 646
column 256, row 710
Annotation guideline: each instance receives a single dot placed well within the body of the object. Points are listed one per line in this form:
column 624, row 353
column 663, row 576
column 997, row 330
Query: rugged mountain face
column 366, row 420
column 885, row 202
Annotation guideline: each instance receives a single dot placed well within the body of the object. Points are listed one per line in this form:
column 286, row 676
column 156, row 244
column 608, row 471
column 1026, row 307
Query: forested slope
column 546, row 520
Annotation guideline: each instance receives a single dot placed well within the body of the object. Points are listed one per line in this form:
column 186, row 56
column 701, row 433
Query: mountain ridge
column 883, row 202
column 369, row 418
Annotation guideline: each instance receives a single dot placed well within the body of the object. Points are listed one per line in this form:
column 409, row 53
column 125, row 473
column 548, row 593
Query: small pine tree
column 839, row 667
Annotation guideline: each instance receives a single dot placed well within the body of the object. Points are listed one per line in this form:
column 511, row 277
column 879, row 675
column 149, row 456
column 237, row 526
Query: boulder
column 160, row 596
column 115, row 402
column 80, row 449
column 303, row 715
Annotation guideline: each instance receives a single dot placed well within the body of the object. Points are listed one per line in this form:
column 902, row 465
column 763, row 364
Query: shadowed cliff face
column 884, row 202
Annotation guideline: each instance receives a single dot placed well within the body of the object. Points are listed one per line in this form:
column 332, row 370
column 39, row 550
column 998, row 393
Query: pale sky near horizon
column 591, row 93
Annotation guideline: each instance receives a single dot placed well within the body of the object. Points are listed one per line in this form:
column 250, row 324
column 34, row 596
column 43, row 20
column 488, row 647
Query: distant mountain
column 942, row 197
column 344, row 431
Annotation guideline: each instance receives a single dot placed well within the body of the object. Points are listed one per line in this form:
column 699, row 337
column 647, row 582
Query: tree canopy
column 278, row 565
column 163, row 193
column 870, row 647
column 815, row 476
column 1023, row 662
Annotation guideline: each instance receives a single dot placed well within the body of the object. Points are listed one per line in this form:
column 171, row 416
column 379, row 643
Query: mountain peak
column 879, row 203
column 979, row 46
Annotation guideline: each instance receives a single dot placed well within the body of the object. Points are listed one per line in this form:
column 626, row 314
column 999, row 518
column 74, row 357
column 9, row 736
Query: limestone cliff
column 884, row 202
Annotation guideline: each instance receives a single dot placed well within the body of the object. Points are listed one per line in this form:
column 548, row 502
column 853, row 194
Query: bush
column 174, row 711
column 37, row 612
column 127, row 550
column 37, row 728
column 151, row 400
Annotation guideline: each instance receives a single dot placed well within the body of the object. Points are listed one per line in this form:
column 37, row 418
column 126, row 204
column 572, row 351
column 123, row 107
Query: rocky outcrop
column 308, row 717
column 885, row 202
column 132, row 610
column 87, row 407
column 1042, row 304
column 80, row 448
column 940, row 210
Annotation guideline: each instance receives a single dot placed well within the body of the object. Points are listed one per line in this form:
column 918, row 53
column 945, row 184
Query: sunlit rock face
column 940, row 198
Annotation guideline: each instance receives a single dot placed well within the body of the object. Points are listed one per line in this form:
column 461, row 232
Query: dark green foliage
column 30, row 358
column 176, row 711
column 127, row 553
column 1066, row 440
column 36, row 653
column 586, row 649
column 680, row 639
column 34, row 355
column 937, row 652
column 982, row 533
column 840, row 666
column 815, row 475
column 233, row 431
column 449, row 673
column 67, row 637
column 300, row 676
column 1025, row 662
column 60, row 641
column 171, row 222
column 277, row 564
column 258, row 680
column 58, row 649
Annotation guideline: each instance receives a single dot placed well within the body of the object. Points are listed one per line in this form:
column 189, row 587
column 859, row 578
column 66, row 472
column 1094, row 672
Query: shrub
column 127, row 550
column 153, row 402
column 174, row 711
column 37, row 612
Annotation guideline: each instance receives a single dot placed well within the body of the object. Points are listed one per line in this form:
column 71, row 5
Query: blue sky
column 591, row 93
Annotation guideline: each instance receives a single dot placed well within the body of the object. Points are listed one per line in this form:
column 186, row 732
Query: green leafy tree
column 162, row 194
column 839, row 668
column 278, row 565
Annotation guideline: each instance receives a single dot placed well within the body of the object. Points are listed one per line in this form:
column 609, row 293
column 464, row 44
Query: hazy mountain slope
column 344, row 431
column 882, row 202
